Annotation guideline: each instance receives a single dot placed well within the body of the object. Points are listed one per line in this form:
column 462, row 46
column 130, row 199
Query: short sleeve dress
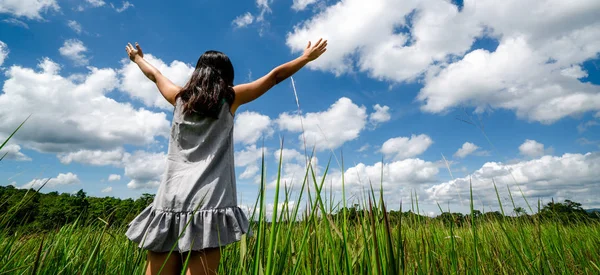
column 195, row 206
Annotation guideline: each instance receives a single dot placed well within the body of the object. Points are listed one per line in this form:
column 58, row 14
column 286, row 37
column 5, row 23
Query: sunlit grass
column 314, row 242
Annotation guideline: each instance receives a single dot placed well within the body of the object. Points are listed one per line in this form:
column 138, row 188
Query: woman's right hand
column 312, row 53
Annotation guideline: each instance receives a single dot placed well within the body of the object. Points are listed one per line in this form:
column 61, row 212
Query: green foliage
column 33, row 211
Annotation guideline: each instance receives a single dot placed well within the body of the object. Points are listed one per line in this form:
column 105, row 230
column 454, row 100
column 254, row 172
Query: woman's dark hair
column 211, row 84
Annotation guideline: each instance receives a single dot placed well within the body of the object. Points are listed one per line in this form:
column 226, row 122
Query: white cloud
column 531, row 148
column 330, row 129
column 137, row 85
column 243, row 20
column 381, row 114
column 249, row 155
column 144, row 169
column 405, row 147
column 289, row 155
column 407, row 173
column 514, row 77
column 30, row 9
column 125, row 6
column 293, row 170
column 247, row 18
column 437, row 30
column 466, row 149
column 13, row 151
column 263, row 5
column 250, row 127
column 571, row 176
column 93, row 157
column 76, row 27
column 249, row 158
column 114, row 177
column 407, row 40
column 16, row 22
column 364, row 148
column 74, row 50
column 96, row 3
column 107, row 189
column 3, row 52
column 89, row 121
column 575, row 71
column 302, row 4
column 61, row 179
column 250, row 172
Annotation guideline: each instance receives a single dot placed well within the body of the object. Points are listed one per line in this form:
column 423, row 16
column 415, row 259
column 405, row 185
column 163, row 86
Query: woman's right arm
column 248, row 92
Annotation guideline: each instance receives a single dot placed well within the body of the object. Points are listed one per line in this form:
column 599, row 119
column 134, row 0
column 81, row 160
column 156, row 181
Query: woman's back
column 198, row 187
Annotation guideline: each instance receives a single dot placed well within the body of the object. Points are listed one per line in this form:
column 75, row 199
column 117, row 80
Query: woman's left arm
column 166, row 87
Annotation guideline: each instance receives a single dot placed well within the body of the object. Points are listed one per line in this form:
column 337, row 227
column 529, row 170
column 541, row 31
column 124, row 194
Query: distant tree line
column 32, row 211
column 567, row 212
column 27, row 209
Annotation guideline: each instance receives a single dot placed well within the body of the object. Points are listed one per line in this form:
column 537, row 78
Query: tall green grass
column 316, row 242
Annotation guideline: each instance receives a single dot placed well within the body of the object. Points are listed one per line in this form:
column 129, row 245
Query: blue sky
column 399, row 80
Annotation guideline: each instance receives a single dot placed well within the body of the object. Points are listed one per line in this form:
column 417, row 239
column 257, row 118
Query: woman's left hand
column 134, row 52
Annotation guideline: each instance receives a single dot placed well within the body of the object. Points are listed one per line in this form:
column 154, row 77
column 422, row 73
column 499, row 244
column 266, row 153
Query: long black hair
column 209, row 86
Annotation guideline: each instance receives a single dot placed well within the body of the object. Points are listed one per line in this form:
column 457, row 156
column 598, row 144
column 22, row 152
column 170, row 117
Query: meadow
column 329, row 238
column 326, row 237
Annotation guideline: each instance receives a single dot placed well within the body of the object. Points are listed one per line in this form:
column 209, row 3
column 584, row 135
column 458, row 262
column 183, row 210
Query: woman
column 195, row 209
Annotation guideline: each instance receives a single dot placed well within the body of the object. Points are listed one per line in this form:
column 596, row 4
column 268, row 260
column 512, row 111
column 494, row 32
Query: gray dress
column 195, row 206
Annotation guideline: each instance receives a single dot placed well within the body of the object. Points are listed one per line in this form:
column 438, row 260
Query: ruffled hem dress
column 195, row 206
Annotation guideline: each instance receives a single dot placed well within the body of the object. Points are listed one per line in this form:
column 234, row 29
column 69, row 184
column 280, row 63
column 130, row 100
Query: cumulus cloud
column 570, row 176
column 437, row 29
column 76, row 27
column 381, row 114
column 243, row 20
column 83, row 117
column 534, row 72
column 30, row 9
column 466, row 149
column 405, row 147
column 329, row 129
column 93, row 157
column 516, row 77
column 136, row 84
column 397, row 176
column 531, row 148
column 107, row 189
column 61, row 179
column 144, row 169
column 74, row 50
column 250, row 127
column 3, row 52
column 13, row 151
column 249, row 158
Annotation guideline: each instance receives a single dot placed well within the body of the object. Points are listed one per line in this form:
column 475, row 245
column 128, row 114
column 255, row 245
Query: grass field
column 319, row 243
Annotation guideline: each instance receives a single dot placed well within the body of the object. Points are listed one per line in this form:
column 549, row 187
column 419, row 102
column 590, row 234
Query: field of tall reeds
column 324, row 239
